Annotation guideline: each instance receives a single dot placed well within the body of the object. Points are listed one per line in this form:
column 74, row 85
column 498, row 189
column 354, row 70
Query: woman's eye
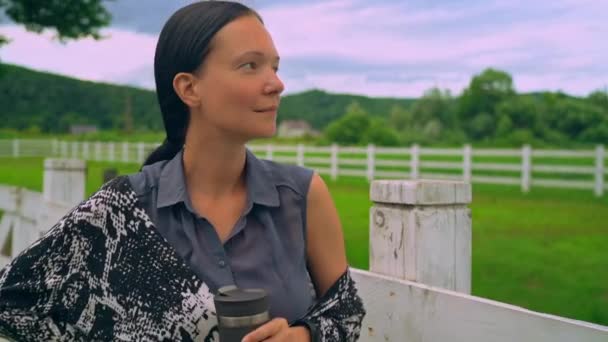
column 250, row 65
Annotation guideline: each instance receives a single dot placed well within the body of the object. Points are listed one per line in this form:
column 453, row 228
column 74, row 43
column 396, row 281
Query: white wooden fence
column 419, row 281
column 525, row 167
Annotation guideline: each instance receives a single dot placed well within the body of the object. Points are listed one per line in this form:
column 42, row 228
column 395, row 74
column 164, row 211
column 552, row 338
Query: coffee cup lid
column 234, row 301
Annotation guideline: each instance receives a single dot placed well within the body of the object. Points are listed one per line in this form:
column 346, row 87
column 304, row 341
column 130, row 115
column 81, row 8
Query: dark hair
column 182, row 46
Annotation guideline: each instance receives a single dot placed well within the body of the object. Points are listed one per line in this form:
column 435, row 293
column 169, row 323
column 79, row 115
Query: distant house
column 295, row 128
column 82, row 129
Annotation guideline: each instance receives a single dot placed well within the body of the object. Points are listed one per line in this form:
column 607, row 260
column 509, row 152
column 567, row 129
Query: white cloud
column 545, row 46
column 110, row 59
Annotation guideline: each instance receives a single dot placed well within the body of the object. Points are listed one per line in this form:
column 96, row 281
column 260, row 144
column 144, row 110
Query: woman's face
column 238, row 83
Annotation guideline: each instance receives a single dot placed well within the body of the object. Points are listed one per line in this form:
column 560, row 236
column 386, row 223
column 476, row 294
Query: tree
column 477, row 105
column 400, row 118
column 378, row 133
column 350, row 128
column 71, row 19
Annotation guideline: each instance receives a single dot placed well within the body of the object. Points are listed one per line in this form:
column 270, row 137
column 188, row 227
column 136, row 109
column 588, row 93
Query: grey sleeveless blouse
column 267, row 247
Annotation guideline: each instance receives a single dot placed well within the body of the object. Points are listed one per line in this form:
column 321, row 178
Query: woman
column 141, row 259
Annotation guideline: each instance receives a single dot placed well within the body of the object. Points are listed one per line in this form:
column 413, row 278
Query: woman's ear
column 184, row 85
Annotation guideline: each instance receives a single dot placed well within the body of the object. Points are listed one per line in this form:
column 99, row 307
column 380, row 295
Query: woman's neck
column 213, row 167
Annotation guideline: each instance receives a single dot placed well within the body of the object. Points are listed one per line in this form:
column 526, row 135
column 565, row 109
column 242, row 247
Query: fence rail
column 526, row 167
column 417, row 288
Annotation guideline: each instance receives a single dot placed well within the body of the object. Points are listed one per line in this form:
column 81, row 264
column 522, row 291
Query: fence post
column 467, row 163
column 526, row 168
column 370, row 162
column 97, row 150
column 599, row 170
column 16, row 148
column 64, row 180
column 300, row 155
column 63, row 188
column 85, row 150
column 140, row 152
column 414, row 162
column 125, row 151
column 111, row 151
column 421, row 231
column 334, row 161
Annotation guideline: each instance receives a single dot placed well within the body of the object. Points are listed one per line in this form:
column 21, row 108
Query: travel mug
column 240, row 311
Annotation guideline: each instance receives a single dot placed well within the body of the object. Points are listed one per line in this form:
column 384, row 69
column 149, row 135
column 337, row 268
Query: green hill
column 51, row 103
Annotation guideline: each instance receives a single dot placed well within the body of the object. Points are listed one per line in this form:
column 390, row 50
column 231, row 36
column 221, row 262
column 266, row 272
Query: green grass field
column 545, row 250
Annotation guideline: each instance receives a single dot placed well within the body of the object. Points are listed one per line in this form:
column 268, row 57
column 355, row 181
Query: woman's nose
column 274, row 85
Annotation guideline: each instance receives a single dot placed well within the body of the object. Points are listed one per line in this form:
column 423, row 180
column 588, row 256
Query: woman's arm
column 339, row 311
column 31, row 288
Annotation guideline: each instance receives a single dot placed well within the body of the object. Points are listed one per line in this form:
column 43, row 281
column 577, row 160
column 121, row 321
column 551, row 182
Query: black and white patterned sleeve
column 30, row 284
column 336, row 316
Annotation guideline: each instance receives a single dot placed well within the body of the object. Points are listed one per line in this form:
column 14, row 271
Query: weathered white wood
column 28, row 203
column 599, row 171
column 64, row 180
column 300, row 155
column 400, row 310
column 467, row 154
column 526, row 163
column 420, row 192
column 8, row 198
column 269, row 151
column 50, row 213
column 421, row 231
column 6, row 226
column 415, row 162
column 25, row 232
column 334, row 162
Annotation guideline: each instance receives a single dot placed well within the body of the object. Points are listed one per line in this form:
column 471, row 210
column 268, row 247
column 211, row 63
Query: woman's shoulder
column 296, row 177
column 144, row 180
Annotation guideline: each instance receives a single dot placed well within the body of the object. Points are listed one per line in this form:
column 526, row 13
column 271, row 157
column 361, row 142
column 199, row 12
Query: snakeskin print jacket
column 104, row 273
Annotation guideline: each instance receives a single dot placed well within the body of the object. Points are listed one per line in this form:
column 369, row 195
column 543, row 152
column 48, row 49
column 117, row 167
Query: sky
column 381, row 48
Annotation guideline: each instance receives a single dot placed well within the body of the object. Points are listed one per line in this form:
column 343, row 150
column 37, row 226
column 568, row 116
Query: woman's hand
column 278, row 330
